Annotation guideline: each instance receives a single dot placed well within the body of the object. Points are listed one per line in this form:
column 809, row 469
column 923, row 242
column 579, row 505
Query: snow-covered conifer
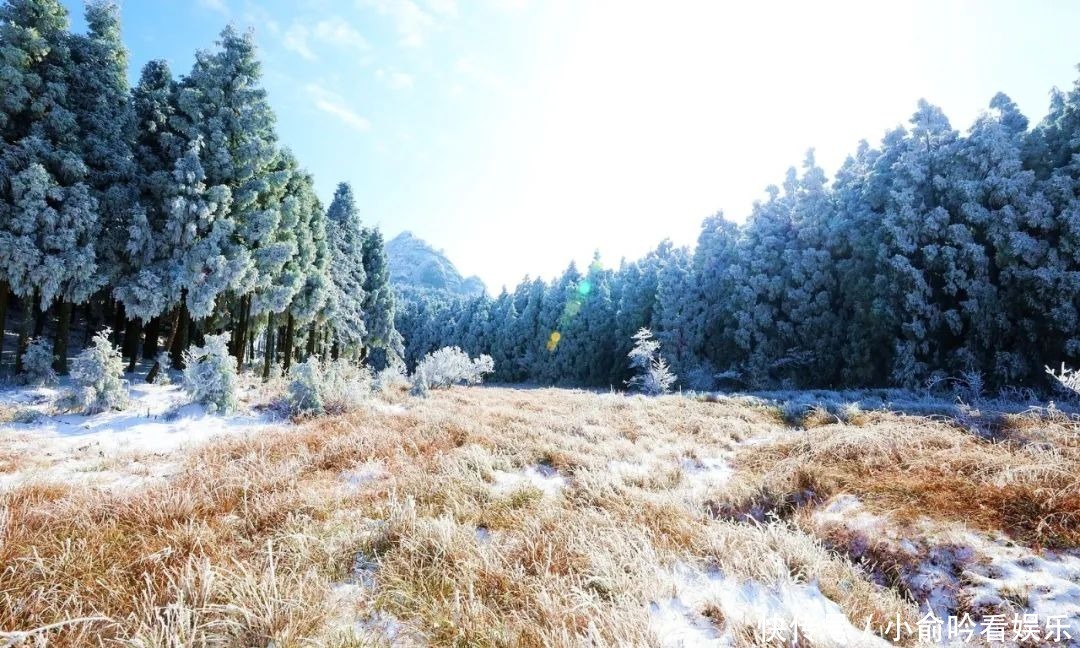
column 210, row 374
column 97, row 376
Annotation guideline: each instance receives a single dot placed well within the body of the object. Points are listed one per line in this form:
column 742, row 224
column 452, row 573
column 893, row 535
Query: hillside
column 414, row 263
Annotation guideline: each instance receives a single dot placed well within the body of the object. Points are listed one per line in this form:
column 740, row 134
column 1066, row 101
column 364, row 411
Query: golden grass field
column 540, row 517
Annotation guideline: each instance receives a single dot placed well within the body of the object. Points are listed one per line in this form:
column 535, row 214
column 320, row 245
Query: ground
column 540, row 517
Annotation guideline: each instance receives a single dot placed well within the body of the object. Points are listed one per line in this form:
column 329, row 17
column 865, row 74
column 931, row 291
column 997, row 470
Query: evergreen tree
column 49, row 221
column 346, row 240
column 382, row 338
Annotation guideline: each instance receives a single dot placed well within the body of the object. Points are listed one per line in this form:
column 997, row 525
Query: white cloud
column 338, row 31
column 443, row 7
column 396, row 79
column 296, row 40
column 215, row 5
column 334, row 31
column 333, row 104
column 411, row 22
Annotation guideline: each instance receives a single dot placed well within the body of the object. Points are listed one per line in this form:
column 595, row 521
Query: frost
column 98, row 376
column 210, row 374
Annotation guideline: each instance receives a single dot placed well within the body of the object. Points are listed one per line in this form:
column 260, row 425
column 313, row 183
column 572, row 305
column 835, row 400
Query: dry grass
column 253, row 538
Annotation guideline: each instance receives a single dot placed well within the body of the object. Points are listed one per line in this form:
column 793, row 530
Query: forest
column 169, row 210
column 931, row 256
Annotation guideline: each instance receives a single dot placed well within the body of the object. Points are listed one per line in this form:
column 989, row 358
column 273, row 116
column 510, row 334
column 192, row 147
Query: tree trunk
column 288, row 346
column 25, row 329
column 268, row 352
column 131, row 342
column 311, row 340
column 39, row 319
column 241, row 345
column 174, row 332
column 63, row 334
column 117, row 326
column 4, row 292
column 150, row 346
column 183, row 339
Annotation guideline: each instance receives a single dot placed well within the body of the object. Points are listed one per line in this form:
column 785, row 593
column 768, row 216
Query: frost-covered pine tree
column 38, row 361
column 280, row 278
column 138, row 282
column 210, row 375
column 716, row 271
column 49, row 219
column 223, row 105
column 346, row 240
column 97, row 376
column 195, row 260
column 99, row 96
column 312, row 262
column 1053, row 152
column 653, row 377
column 678, row 318
column 383, row 338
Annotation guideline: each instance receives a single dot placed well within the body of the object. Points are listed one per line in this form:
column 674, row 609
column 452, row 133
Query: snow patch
column 539, row 476
column 364, row 473
column 75, row 447
column 680, row 621
column 706, row 472
column 991, row 575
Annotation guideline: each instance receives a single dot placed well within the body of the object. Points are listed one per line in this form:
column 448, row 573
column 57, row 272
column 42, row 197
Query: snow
column 680, row 621
column 75, row 447
column 705, row 472
column 364, row 473
column 539, row 476
column 989, row 573
column 371, row 624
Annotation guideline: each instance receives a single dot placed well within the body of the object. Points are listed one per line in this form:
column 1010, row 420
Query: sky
column 518, row 135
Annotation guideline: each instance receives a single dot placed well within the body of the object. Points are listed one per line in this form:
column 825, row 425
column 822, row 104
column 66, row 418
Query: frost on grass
column 542, row 477
column 706, row 472
column 112, row 447
column 954, row 571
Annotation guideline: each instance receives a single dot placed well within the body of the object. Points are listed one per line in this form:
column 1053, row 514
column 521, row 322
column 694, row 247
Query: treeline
column 932, row 254
column 169, row 211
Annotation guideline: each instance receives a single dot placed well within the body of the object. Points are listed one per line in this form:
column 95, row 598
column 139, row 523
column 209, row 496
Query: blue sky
column 520, row 134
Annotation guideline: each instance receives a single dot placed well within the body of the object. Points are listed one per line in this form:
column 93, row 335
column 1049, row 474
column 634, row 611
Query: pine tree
column 99, row 92
column 49, row 220
column 222, row 104
column 379, row 308
column 345, row 237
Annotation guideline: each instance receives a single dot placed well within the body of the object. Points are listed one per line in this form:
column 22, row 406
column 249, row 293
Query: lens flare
column 553, row 340
column 584, row 288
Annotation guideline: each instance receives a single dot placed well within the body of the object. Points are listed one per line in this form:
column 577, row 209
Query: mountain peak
column 414, row 263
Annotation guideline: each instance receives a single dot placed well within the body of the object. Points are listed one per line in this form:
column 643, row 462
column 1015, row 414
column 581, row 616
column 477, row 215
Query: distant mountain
column 415, row 264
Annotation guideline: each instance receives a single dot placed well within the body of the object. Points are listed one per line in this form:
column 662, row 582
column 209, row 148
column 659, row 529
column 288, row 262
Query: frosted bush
column 449, row 366
column 164, row 361
column 210, row 374
column 305, row 388
column 97, row 375
column 38, row 363
column 346, row 386
column 654, row 377
column 391, row 377
column 336, row 387
column 1067, row 380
